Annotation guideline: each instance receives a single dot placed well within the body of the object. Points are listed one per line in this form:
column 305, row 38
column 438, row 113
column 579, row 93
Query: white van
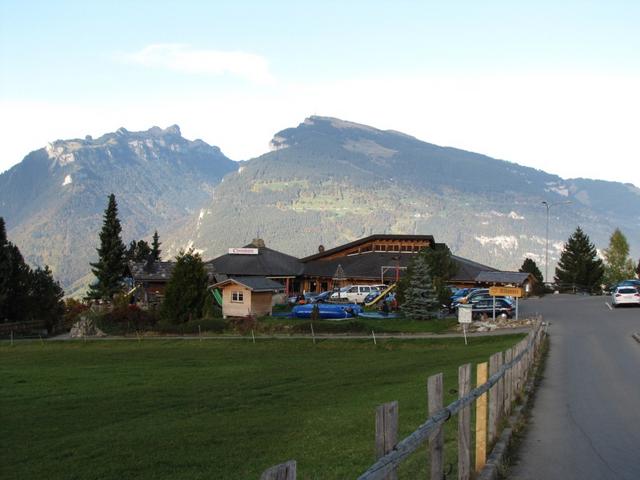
column 353, row 293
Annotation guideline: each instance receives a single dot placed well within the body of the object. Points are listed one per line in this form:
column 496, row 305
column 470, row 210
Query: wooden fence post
column 387, row 432
column 500, row 392
column 284, row 471
column 464, row 424
column 508, row 387
column 436, row 440
column 493, row 399
column 481, row 419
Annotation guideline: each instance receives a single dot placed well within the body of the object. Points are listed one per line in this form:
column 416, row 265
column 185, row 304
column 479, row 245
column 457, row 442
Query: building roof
column 514, row 278
column 267, row 263
column 468, row 270
column 253, row 283
column 156, row 271
column 362, row 241
column 364, row 265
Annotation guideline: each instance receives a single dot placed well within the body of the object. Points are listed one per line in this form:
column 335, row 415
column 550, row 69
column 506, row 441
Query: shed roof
column 253, row 283
column 468, row 270
column 515, row 278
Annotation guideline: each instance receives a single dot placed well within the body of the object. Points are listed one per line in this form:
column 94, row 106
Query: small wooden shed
column 243, row 296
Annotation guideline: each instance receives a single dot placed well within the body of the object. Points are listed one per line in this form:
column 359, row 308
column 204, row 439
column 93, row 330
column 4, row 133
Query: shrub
column 127, row 319
column 243, row 325
column 72, row 310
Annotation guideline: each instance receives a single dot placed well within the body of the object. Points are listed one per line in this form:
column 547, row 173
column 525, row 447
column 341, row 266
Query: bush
column 72, row 311
column 243, row 325
column 127, row 319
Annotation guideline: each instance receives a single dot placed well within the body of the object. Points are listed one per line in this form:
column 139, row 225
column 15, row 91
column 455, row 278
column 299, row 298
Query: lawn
column 356, row 325
column 216, row 409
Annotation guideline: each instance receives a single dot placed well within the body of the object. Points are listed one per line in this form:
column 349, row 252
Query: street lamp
column 546, row 250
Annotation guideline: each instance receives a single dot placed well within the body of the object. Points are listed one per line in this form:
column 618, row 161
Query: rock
column 86, row 327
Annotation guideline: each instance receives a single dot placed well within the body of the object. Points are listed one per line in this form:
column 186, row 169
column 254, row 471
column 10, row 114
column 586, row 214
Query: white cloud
column 185, row 59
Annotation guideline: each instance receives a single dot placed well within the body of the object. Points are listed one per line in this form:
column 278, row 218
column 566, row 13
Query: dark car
column 485, row 307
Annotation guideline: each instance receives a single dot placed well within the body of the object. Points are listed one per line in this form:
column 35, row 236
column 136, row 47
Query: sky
column 547, row 84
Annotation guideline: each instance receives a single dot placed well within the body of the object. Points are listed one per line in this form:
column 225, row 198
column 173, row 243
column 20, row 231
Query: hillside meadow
column 213, row 409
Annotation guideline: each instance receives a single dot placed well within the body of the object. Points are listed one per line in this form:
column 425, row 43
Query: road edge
column 505, row 450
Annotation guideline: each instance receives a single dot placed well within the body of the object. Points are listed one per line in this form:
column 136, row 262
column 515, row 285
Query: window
column 237, row 297
column 365, row 289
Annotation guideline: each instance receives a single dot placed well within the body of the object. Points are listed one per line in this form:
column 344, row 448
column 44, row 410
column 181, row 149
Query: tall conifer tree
column 110, row 267
column 155, row 247
column 420, row 298
column 579, row 265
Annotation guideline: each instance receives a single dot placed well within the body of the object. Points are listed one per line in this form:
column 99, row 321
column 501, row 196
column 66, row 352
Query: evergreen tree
column 14, row 280
column 155, row 247
column 138, row 251
column 442, row 269
column 26, row 294
column 638, row 269
column 186, row 290
column 579, row 265
column 530, row 266
column 46, row 298
column 5, row 269
column 419, row 296
column 110, row 267
column 619, row 265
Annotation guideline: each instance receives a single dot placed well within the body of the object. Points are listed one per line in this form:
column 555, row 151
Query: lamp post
column 546, row 250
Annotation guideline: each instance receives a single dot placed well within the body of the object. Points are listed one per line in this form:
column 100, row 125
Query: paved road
column 586, row 418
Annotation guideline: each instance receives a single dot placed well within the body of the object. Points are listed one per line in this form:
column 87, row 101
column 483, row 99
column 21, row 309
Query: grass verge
column 166, row 409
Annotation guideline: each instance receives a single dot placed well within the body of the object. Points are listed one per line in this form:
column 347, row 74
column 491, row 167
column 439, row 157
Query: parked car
column 630, row 283
column 625, row 295
column 479, row 295
column 458, row 294
column 353, row 293
column 372, row 296
column 485, row 307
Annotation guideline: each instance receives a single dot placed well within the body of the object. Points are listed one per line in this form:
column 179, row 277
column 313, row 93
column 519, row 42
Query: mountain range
column 326, row 181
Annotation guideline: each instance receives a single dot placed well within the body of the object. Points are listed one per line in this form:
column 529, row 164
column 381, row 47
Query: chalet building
column 372, row 260
column 150, row 280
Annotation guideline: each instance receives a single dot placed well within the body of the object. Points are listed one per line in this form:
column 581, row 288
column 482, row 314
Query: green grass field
column 216, row 409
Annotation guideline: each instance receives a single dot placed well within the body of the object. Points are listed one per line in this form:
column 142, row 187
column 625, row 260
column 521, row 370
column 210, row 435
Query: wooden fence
column 499, row 383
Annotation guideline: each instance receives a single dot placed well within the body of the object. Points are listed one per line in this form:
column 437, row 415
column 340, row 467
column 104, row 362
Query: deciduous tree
column 619, row 265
